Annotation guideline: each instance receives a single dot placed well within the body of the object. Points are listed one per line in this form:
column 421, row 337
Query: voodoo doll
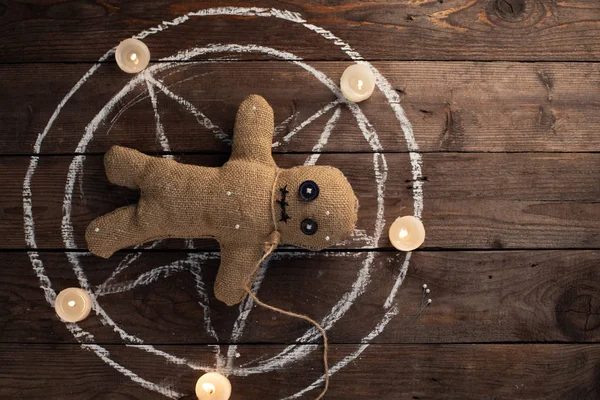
column 247, row 205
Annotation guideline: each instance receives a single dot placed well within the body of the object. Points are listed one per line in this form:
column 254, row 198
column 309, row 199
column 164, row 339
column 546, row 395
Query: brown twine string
column 269, row 247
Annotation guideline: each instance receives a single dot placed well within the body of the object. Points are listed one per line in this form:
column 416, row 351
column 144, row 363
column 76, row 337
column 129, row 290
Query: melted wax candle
column 357, row 83
column 73, row 304
column 407, row 233
column 132, row 55
column 213, row 386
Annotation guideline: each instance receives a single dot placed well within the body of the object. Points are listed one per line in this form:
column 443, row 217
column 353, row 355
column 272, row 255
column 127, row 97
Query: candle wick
column 403, row 233
column 209, row 387
column 71, row 303
column 134, row 58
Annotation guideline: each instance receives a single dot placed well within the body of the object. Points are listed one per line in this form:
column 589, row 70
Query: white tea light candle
column 132, row 55
column 407, row 233
column 357, row 83
column 73, row 304
column 213, row 386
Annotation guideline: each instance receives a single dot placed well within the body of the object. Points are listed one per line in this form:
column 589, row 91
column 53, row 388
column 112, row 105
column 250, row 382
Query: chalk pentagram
column 192, row 262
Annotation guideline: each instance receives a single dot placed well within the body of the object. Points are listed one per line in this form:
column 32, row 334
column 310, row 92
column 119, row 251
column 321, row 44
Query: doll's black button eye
column 309, row 227
column 309, row 191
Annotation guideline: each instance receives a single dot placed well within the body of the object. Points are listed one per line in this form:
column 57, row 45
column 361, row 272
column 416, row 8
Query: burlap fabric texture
column 238, row 204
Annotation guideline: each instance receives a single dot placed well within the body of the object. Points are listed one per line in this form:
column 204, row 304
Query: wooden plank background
column 384, row 372
column 532, row 30
column 503, row 97
column 453, row 106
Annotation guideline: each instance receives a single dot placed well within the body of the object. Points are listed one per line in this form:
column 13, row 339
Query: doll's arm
column 253, row 132
column 239, row 266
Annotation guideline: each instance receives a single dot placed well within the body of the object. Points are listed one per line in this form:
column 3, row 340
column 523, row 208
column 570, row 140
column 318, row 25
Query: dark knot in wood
column 578, row 312
column 509, row 9
column 453, row 135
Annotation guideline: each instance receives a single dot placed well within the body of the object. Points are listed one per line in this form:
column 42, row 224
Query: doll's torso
column 232, row 202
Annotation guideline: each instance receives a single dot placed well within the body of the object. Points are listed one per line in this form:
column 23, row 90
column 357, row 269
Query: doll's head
column 315, row 207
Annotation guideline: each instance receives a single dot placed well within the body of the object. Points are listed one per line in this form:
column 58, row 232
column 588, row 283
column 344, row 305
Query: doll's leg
column 119, row 229
column 237, row 271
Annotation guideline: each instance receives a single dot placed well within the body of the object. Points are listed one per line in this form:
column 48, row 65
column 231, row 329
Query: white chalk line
column 398, row 282
column 144, row 279
column 345, row 47
column 40, row 272
column 106, row 320
column 306, row 122
column 249, row 12
column 281, row 127
column 79, row 333
column 141, row 97
column 202, row 119
column 38, row 143
column 245, row 308
column 137, row 99
column 351, row 357
column 160, row 130
column 125, row 263
column 171, row 359
column 309, row 255
column 413, row 148
column 295, row 352
column 237, row 11
column 194, row 262
column 191, row 264
column 358, row 236
column 318, row 147
column 220, row 361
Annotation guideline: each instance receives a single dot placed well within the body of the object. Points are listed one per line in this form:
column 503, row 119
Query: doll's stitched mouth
column 284, row 204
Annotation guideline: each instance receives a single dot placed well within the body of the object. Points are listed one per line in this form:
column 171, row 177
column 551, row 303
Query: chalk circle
column 291, row 353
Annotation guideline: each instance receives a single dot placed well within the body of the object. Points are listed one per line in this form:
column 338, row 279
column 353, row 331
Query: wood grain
column 466, row 106
column 386, row 372
column 471, row 200
column 379, row 30
column 478, row 297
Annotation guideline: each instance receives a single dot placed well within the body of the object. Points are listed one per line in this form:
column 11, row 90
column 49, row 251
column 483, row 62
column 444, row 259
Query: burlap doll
column 247, row 204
